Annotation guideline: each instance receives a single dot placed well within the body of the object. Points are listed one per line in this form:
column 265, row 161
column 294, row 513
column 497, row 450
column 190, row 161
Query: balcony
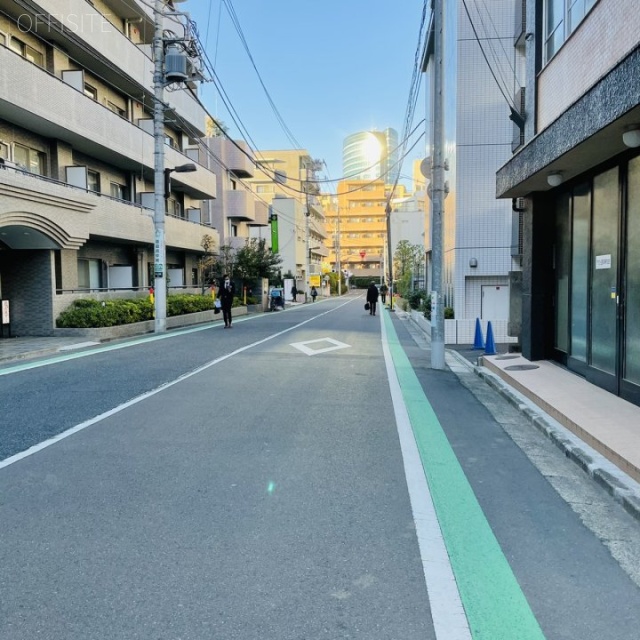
column 88, row 25
column 47, row 106
column 67, row 216
column 240, row 205
column 236, row 161
column 262, row 214
column 40, row 213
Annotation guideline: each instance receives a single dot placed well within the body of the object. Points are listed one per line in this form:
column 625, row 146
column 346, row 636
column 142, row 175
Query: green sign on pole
column 274, row 233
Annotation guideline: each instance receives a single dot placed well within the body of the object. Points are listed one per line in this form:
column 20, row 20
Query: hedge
column 87, row 313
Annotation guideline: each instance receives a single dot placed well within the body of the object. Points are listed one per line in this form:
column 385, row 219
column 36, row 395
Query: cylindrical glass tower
column 369, row 155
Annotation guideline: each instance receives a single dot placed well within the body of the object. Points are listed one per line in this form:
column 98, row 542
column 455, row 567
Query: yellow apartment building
column 357, row 225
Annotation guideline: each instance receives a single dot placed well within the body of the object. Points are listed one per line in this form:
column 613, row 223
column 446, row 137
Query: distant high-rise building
column 371, row 155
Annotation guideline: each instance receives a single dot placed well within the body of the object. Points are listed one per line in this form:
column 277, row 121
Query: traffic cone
column 478, row 341
column 490, row 348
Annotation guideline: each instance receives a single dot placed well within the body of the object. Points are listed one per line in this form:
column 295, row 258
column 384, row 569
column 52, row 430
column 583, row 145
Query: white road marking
column 305, row 348
column 449, row 619
column 79, row 345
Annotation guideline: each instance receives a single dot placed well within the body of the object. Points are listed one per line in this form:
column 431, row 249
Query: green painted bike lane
column 494, row 603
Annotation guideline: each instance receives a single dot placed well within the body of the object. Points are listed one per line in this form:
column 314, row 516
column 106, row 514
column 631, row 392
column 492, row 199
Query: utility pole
column 161, row 183
column 338, row 263
column 390, row 255
column 307, row 250
column 437, row 193
column 160, row 252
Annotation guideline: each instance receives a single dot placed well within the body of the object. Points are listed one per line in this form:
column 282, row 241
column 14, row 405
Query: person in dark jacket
column 372, row 298
column 383, row 292
column 226, row 293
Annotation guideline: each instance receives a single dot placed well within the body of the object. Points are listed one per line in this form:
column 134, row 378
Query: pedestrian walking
column 294, row 292
column 372, row 298
column 383, row 292
column 226, row 294
column 314, row 293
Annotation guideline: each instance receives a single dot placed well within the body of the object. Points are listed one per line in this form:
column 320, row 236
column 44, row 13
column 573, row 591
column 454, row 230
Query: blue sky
column 331, row 69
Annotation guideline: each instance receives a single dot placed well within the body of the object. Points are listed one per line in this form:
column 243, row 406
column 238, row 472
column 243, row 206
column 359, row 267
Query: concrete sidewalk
column 596, row 429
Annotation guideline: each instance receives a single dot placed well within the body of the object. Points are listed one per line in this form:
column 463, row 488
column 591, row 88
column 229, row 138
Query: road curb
column 622, row 487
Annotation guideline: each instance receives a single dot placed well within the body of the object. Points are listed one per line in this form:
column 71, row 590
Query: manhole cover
column 521, row 367
column 507, row 357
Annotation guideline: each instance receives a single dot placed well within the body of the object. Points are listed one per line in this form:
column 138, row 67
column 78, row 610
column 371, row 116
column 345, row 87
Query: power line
column 509, row 102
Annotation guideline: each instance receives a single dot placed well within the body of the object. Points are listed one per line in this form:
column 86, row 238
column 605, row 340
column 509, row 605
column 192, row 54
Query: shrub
column 87, row 313
column 426, row 310
column 179, row 304
column 416, row 298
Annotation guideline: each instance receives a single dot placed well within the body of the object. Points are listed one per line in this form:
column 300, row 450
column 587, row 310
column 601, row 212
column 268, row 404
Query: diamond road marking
column 310, row 351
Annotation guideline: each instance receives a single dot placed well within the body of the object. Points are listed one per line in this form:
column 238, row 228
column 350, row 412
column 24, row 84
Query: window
column 118, row 191
column 265, row 188
column 173, row 208
column 93, row 181
column 116, row 109
column 4, row 151
column 3, row 39
column 562, row 17
column 27, row 52
column 89, row 272
column 90, row 91
column 30, row 159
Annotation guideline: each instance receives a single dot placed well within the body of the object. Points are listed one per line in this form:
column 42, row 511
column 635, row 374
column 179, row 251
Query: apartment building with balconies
column 77, row 149
column 237, row 210
column 358, row 220
column 576, row 182
column 286, row 179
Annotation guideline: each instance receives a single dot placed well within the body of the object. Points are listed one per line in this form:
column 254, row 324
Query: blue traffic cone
column 478, row 341
column 490, row 348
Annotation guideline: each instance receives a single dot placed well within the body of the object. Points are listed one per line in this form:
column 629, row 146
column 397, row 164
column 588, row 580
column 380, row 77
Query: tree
column 255, row 260
column 215, row 128
column 207, row 262
column 406, row 258
column 226, row 261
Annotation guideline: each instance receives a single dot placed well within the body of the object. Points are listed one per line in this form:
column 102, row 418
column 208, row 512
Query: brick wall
column 27, row 282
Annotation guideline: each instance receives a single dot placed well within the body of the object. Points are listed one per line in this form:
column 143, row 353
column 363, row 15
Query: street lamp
column 183, row 168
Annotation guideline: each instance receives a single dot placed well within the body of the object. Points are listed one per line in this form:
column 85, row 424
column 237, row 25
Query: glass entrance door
column 603, row 360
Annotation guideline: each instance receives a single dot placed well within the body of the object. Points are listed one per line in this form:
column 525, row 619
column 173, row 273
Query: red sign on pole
column 363, row 254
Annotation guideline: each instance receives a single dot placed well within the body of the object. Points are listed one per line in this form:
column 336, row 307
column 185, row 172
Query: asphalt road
column 250, row 484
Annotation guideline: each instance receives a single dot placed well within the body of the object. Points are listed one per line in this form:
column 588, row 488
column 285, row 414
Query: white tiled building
column 478, row 251
column 76, row 182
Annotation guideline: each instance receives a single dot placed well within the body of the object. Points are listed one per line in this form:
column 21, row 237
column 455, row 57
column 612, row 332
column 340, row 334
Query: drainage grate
column 521, row 367
column 507, row 357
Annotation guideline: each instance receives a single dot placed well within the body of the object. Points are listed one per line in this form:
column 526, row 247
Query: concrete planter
column 463, row 331
column 139, row 328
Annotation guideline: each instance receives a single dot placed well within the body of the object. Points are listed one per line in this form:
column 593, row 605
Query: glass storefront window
column 562, row 258
column 580, row 271
column 632, row 288
column 604, row 271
